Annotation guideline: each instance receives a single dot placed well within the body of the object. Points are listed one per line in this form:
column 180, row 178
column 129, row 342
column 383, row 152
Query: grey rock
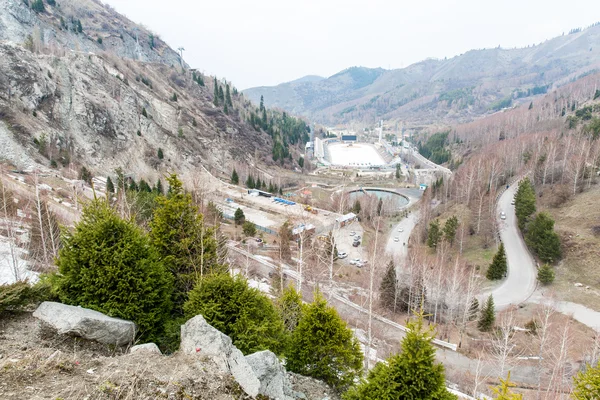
column 86, row 323
column 200, row 338
column 145, row 348
column 274, row 382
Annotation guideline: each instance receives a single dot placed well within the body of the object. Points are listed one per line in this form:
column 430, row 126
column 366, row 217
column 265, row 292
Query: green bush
column 323, row 347
column 243, row 313
column 108, row 265
column 412, row 374
column 249, row 228
column 20, row 295
column 542, row 239
column 545, row 274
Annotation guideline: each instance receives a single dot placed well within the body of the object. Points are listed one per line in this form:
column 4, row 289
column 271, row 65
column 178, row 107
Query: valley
column 455, row 200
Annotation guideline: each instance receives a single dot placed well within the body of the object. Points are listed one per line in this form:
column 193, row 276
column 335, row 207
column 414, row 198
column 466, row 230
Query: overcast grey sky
column 266, row 42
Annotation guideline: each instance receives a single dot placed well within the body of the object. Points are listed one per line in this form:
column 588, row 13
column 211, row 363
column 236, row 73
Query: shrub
column 323, row 347
column 412, row 374
column 20, row 295
column 545, row 274
column 239, row 311
column 249, row 228
column 108, row 265
column 160, row 153
column 542, row 239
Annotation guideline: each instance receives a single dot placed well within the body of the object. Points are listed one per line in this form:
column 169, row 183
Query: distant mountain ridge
column 449, row 90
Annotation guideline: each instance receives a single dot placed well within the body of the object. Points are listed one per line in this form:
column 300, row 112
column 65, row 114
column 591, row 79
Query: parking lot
column 343, row 242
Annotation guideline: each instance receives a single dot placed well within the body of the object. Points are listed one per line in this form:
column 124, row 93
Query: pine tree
column 221, row 95
column 249, row 229
column 412, row 374
column 216, row 93
column 264, row 119
column 498, row 267
column 174, row 97
column 239, row 216
column 159, row 187
column 110, row 187
column 225, row 109
column 79, row 27
column 235, row 179
column 542, row 239
column 487, row 316
column 258, row 183
column 531, row 105
column 524, row 203
column 262, row 103
column 545, row 274
column 250, row 182
column 144, row 187
column 323, row 347
column 289, row 305
column 503, row 391
column 144, row 113
column 160, row 154
column 388, row 287
column 184, row 244
column 434, row 234
column 450, row 229
column 228, row 96
column 108, row 265
column 586, row 385
column 244, row 314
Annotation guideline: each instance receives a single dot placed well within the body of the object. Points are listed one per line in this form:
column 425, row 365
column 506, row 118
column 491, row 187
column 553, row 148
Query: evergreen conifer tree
column 184, row 244
column 216, row 93
column 159, row 187
column 545, row 274
column 503, row 391
column 108, row 265
column 450, row 229
column 228, row 96
column 388, row 287
column 356, row 207
column 289, row 305
column 487, row 316
column 434, row 234
column 323, row 347
column 498, row 267
column 239, row 216
column 221, row 95
column 542, row 239
column 160, row 154
column 235, row 179
column 262, row 103
column 110, row 187
column 225, row 109
column 524, row 203
column 244, row 314
column 587, row 383
column 412, row 374
column 258, row 183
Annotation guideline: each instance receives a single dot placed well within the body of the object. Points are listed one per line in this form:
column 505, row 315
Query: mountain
column 81, row 85
column 449, row 90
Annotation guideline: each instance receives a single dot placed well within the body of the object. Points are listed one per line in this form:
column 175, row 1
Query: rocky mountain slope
column 449, row 90
column 83, row 85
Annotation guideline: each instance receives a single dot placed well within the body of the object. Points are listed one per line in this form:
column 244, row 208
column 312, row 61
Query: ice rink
column 357, row 154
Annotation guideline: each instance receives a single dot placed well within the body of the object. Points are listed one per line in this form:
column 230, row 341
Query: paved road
column 398, row 250
column 520, row 283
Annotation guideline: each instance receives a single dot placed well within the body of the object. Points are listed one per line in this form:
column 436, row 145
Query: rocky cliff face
column 67, row 98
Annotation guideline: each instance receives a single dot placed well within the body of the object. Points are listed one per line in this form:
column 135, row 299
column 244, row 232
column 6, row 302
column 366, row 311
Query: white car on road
column 400, row 230
column 502, row 215
column 396, row 239
column 341, row 254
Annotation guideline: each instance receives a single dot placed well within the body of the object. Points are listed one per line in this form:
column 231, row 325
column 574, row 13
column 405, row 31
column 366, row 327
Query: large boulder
column 274, row 381
column 145, row 348
column 198, row 337
column 86, row 323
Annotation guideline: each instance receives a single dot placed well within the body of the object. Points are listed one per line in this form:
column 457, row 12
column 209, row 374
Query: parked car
column 396, row 239
column 356, row 243
column 354, row 261
column 360, row 265
column 259, row 240
column 352, row 233
column 400, row 230
column 358, row 237
column 341, row 254
column 512, row 202
column 502, row 215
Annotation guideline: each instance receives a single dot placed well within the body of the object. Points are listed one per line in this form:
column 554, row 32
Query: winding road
column 521, row 279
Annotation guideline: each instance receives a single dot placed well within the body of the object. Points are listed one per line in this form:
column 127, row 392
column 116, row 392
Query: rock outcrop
column 145, row 348
column 274, row 381
column 200, row 338
column 86, row 323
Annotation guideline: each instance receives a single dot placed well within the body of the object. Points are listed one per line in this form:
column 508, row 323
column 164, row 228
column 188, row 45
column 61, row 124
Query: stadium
column 347, row 152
